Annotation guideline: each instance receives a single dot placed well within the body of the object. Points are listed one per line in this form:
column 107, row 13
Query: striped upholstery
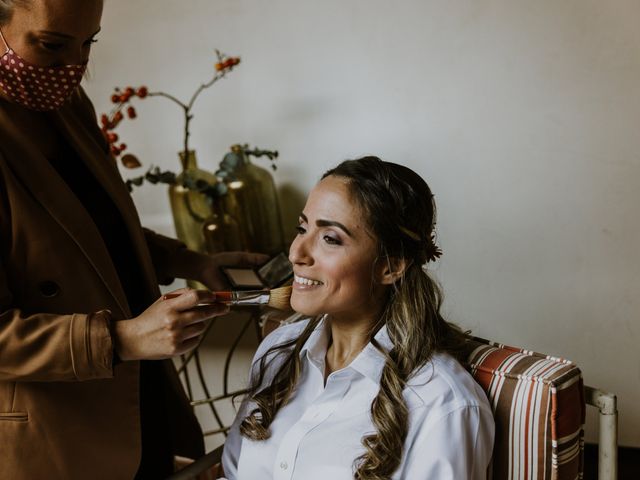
column 539, row 409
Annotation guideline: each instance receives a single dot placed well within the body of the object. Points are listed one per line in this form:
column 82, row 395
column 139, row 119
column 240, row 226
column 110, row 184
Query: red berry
column 123, row 147
column 115, row 98
column 115, row 150
column 112, row 137
column 131, row 112
column 129, row 91
column 142, row 92
column 104, row 120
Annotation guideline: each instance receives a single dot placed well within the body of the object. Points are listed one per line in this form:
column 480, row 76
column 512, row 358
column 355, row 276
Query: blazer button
column 49, row 289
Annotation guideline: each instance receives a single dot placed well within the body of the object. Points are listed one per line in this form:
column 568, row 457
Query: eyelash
column 54, row 47
column 331, row 241
column 327, row 238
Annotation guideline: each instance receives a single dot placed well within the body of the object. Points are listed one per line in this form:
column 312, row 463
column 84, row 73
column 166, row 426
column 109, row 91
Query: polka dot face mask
column 36, row 87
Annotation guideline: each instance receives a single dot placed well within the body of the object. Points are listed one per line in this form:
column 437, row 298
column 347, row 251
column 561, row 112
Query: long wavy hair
column 400, row 213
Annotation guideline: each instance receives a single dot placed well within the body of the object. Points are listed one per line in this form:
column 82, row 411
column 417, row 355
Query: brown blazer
column 65, row 411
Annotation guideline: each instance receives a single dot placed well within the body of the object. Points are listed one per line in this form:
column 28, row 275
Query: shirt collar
column 369, row 362
column 315, row 348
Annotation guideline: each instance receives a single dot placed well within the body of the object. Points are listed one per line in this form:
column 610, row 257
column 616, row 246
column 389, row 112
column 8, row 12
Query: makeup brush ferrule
column 256, row 297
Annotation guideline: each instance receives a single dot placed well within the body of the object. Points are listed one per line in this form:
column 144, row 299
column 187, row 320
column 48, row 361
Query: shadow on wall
column 292, row 201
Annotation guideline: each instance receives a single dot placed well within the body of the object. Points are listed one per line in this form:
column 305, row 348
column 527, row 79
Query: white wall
column 522, row 116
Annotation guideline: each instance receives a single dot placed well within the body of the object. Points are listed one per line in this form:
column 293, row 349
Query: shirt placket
column 317, row 412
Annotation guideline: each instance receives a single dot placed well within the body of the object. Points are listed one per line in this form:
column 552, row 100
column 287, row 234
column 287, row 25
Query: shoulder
column 443, row 385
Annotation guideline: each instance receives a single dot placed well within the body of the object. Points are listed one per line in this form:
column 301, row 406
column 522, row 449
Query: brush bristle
column 279, row 298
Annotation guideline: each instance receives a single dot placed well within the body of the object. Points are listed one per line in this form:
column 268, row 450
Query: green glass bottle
column 252, row 200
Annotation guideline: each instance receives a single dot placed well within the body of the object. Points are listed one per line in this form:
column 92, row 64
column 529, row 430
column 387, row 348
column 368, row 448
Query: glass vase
column 222, row 232
column 190, row 208
column 253, row 201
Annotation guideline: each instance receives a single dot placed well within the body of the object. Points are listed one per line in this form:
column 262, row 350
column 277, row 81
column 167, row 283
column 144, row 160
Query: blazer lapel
column 83, row 134
column 41, row 179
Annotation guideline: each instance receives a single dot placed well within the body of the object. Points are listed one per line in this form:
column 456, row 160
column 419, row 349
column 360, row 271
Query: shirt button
column 284, row 465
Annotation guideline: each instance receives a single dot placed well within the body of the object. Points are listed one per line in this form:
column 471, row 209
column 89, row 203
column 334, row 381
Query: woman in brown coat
column 87, row 389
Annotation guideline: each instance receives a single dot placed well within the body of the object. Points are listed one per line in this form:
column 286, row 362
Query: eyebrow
column 327, row 223
column 64, row 35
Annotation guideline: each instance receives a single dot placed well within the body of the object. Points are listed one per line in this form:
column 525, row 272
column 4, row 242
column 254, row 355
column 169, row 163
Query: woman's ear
column 391, row 269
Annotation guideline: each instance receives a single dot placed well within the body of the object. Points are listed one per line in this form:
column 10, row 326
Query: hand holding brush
column 277, row 298
column 168, row 327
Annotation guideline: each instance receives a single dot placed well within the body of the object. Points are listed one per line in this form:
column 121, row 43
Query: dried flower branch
column 154, row 175
column 122, row 99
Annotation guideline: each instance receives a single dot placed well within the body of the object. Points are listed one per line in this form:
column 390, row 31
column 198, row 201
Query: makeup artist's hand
column 212, row 277
column 168, row 327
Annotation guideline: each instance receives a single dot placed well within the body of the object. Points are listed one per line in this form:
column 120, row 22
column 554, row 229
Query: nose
column 299, row 251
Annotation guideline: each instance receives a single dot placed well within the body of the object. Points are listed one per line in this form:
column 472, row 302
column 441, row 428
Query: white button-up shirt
column 318, row 434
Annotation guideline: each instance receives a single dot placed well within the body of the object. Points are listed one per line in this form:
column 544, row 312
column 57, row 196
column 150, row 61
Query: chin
column 305, row 307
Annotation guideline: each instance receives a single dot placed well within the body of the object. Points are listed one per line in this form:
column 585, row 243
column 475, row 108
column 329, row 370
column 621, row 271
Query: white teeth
column 306, row 281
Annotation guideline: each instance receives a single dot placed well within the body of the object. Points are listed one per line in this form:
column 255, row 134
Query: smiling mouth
column 306, row 281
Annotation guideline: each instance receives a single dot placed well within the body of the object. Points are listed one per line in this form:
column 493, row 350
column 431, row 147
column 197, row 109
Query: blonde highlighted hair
column 400, row 213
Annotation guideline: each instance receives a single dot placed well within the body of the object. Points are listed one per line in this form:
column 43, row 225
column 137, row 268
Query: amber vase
column 222, row 232
column 191, row 208
column 253, row 201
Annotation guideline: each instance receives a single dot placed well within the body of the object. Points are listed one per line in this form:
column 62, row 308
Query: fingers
column 187, row 299
column 202, row 314
column 193, row 331
column 188, row 345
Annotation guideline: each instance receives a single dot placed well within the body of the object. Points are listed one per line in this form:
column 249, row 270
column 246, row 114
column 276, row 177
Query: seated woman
column 369, row 386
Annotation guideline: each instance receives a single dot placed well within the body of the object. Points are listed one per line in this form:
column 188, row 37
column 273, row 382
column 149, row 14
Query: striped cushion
column 539, row 409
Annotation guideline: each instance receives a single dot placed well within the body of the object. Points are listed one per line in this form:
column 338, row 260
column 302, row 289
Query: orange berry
column 219, row 67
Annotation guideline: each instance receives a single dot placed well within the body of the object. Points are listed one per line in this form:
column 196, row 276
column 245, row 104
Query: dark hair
column 6, row 9
column 400, row 213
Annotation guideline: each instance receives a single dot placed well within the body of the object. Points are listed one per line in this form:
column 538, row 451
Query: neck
column 348, row 339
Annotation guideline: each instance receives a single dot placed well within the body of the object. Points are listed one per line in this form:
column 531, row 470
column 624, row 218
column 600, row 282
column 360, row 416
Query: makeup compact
column 270, row 275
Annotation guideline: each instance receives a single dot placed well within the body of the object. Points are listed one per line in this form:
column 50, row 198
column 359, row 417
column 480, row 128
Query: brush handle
column 249, row 297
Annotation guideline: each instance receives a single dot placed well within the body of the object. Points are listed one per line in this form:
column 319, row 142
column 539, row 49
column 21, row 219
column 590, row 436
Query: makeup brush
column 276, row 298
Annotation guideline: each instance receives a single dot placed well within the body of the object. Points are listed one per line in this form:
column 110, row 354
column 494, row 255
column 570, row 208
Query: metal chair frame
column 608, row 434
